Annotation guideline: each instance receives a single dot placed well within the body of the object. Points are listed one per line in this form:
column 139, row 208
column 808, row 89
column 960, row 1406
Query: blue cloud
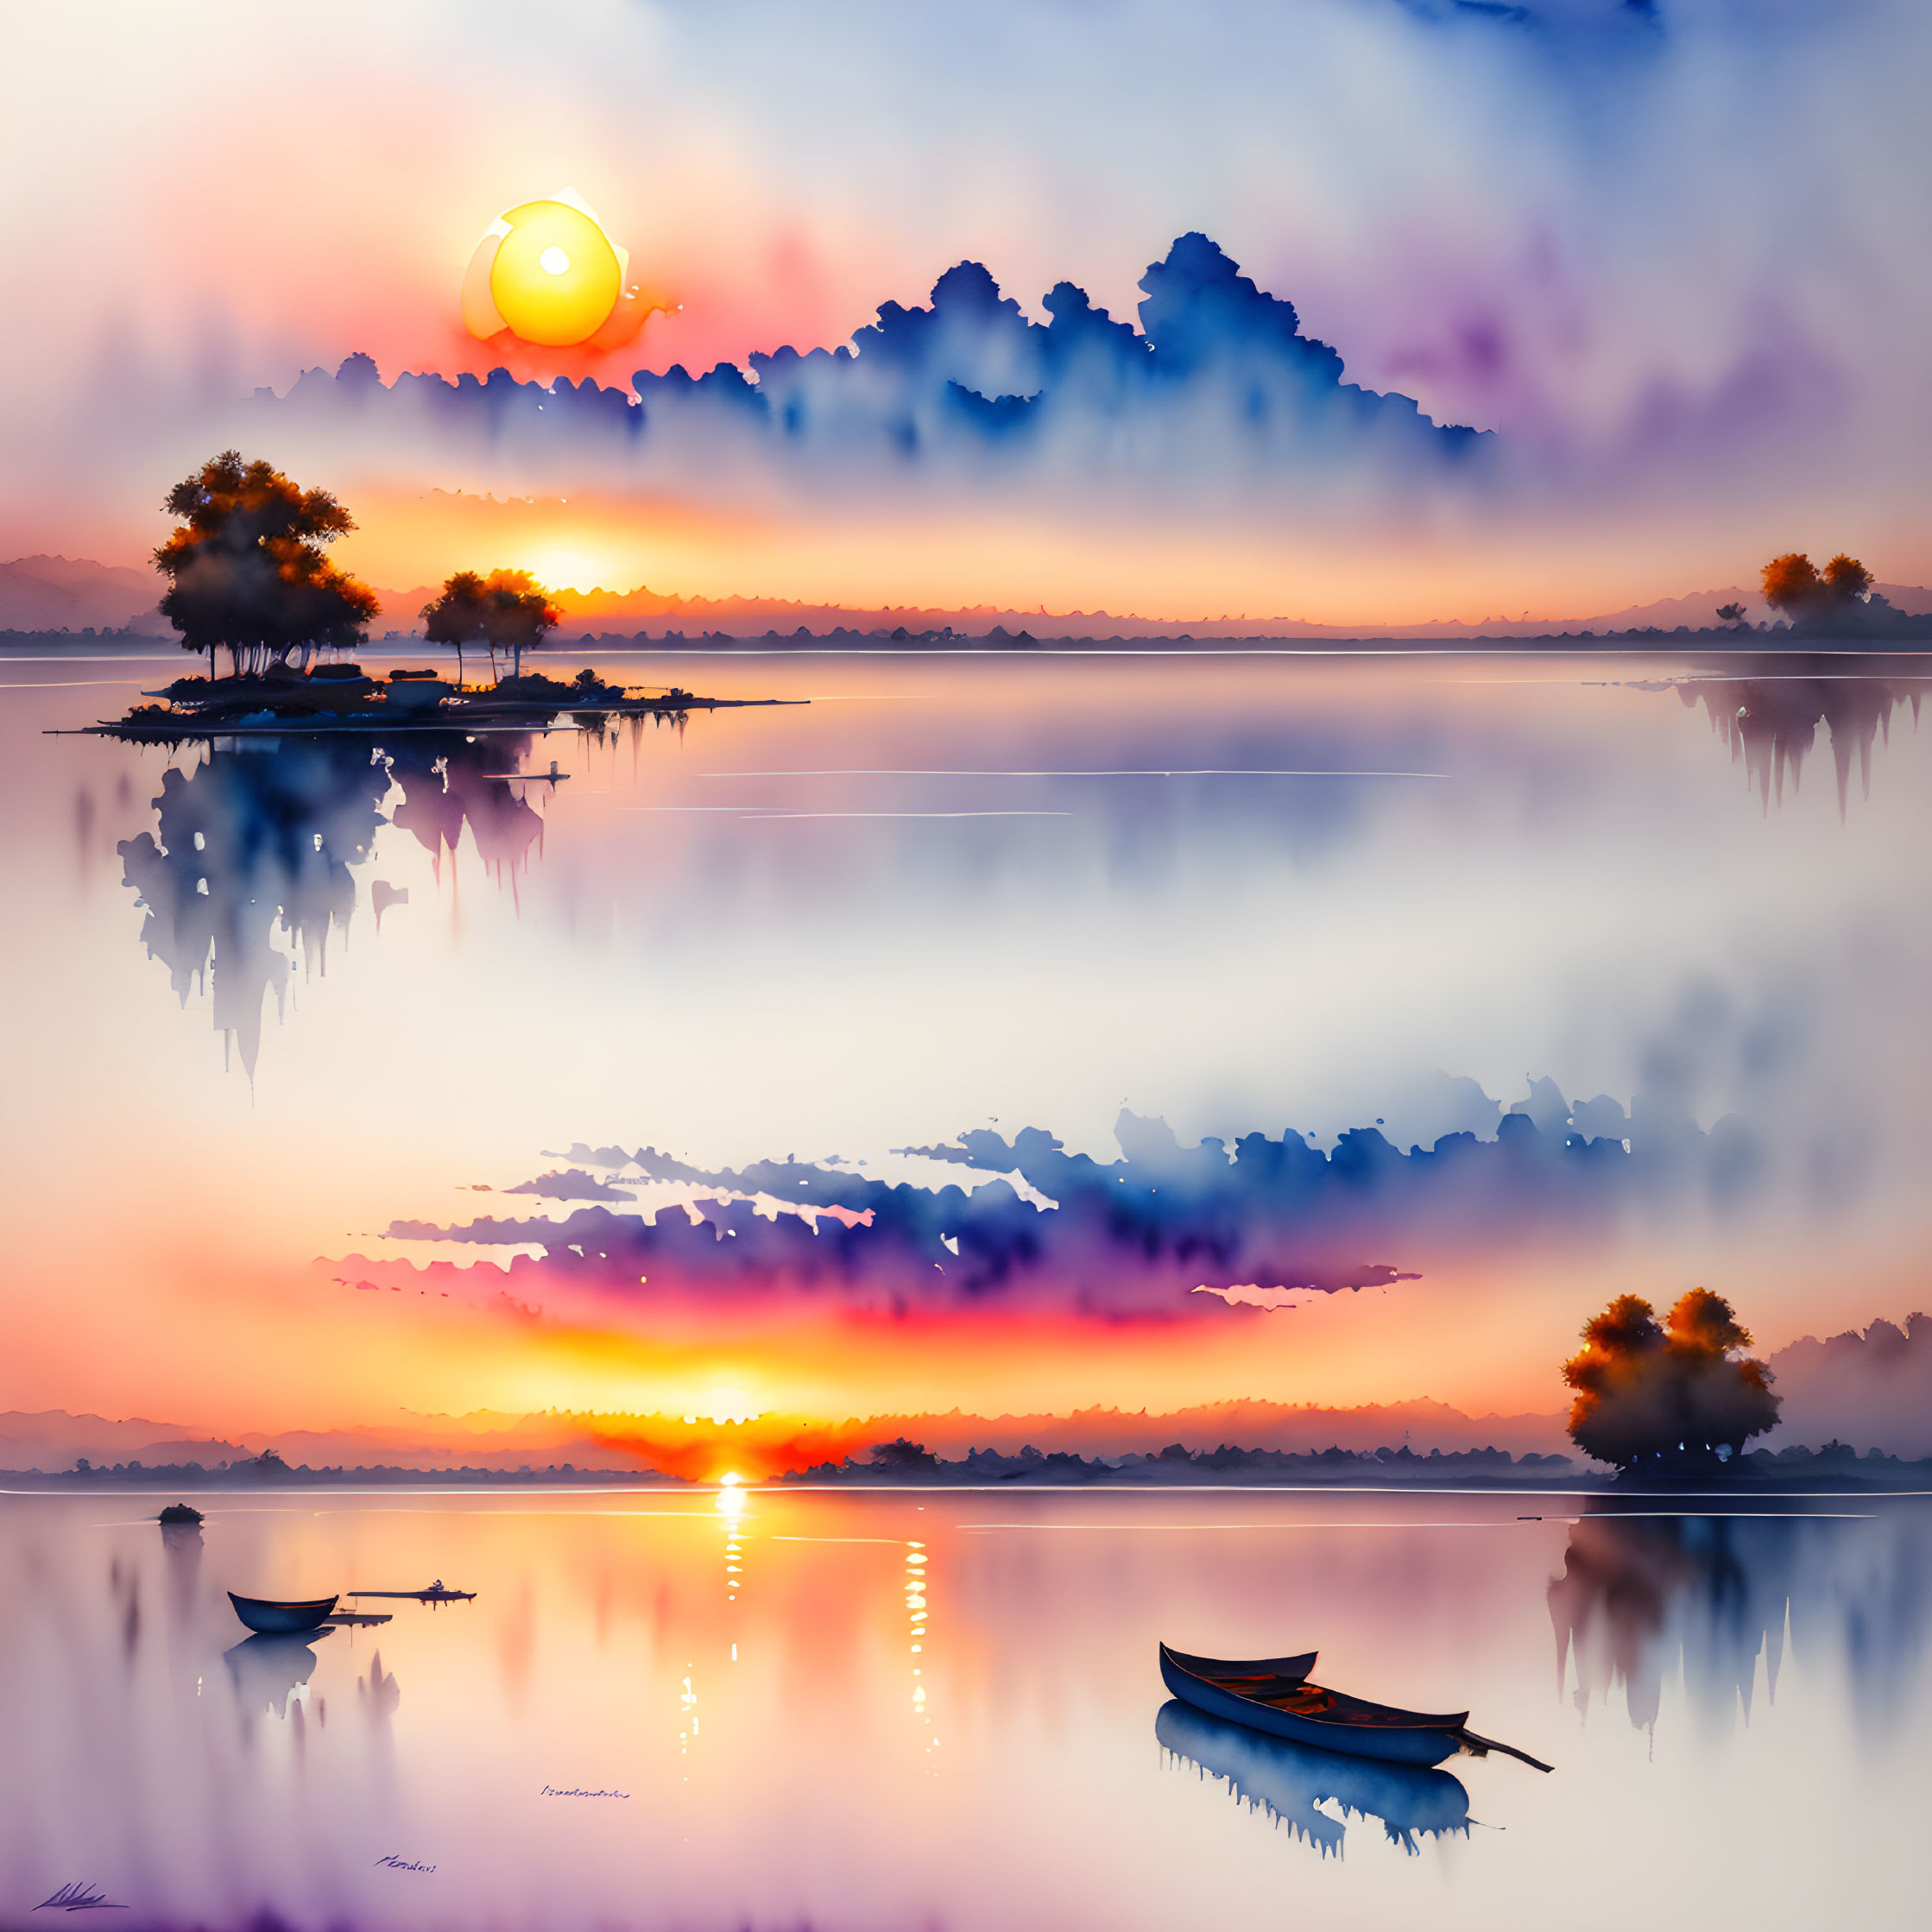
column 1132, row 1238
column 1218, row 383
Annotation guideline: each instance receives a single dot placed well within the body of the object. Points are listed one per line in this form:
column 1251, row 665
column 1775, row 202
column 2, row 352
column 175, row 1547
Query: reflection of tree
column 1770, row 723
column 251, row 841
column 446, row 788
column 256, row 844
column 1639, row 1592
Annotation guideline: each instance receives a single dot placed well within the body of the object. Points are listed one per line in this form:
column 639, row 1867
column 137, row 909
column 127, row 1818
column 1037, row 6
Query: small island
column 336, row 698
column 249, row 574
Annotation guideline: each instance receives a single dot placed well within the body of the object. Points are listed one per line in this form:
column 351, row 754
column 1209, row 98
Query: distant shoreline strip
column 934, row 772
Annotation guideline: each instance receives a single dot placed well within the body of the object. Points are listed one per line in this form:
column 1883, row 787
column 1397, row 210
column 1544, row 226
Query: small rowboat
column 1273, row 1695
column 282, row 1619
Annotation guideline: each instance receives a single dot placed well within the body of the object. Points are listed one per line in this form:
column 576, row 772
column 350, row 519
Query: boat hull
column 282, row 1619
column 1218, row 1667
column 1422, row 1744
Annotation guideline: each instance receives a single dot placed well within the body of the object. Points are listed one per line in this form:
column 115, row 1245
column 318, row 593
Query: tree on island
column 1794, row 585
column 1645, row 1393
column 247, row 569
column 507, row 610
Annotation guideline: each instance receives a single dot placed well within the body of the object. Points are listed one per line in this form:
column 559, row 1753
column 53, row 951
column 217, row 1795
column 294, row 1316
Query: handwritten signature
column 397, row 1862
column 577, row 1791
column 80, row 1898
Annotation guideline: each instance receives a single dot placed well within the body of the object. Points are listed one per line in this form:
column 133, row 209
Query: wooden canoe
column 1287, row 1706
column 282, row 1619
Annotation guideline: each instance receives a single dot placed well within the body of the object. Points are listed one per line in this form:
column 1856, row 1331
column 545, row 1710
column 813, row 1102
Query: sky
column 1673, row 256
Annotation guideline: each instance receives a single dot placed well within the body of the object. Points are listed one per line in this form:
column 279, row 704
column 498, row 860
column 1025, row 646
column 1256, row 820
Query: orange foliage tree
column 1647, row 1391
column 1794, row 584
column 1846, row 577
column 246, row 568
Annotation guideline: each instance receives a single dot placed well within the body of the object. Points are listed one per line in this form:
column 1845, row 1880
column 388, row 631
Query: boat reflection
column 266, row 1669
column 1290, row 1782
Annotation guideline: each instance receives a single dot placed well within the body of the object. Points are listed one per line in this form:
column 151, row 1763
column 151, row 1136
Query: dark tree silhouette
column 1846, row 577
column 246, row 569
column 1645, row 1392
column 507, row 610
column 1731, row 614
column 455, row 615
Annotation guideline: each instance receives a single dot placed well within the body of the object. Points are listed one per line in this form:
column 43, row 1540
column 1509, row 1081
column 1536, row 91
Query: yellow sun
column 547, row 272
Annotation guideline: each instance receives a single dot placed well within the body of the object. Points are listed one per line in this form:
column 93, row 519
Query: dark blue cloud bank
column 1218, row 382
column 1595, row 22
column 1127, row 1239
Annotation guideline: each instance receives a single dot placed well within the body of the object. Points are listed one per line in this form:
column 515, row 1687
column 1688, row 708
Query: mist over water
column 1358, row 902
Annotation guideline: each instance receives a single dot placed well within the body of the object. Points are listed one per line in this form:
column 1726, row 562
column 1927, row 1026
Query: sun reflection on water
column 918, row 1628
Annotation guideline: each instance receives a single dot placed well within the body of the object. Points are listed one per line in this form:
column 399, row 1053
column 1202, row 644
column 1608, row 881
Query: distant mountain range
column 77, row 594
column 64, row 593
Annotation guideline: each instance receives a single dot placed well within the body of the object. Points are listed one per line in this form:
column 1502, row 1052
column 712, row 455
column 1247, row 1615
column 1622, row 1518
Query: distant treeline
column 903, row 1461
column 1882, row 631
column 269, row 1469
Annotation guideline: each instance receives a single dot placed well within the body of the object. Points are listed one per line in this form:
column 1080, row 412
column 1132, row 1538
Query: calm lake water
column 1240, row 893
column 888, row 1711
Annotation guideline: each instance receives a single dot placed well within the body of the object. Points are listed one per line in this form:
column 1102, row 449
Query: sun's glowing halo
column 546, row 271
column 727, row 1404
column 567, row 570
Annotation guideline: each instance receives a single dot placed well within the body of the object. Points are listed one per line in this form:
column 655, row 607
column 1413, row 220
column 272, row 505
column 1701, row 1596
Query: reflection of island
column 260, row 840
column 1290, row 1781
column 1639, row 1592
column 266, row 1670
column 1769, row 719
column 446, row 787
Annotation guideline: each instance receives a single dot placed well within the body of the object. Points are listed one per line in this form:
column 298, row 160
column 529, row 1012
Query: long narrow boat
column 282, row 1619
column 1269, row 1695
column 434, row 1593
